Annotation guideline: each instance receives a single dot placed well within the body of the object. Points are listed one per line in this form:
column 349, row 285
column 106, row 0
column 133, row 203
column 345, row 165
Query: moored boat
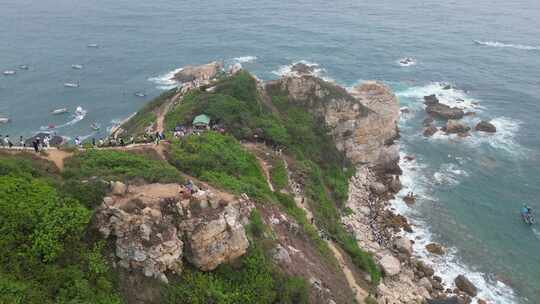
column 71, row 84
column 77, row 66
column 59, row 111
column 4, row 120
column 9, row 72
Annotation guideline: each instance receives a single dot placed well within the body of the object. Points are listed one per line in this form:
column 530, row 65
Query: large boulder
column 435, row 248
column 198, row 73
column 403, row 245
column 443, row 111
column 463, row 284
column 485, row 126
column 390, row 265
column 456, row 127
column 156, row 226
column 301, row 68
column 431, row 100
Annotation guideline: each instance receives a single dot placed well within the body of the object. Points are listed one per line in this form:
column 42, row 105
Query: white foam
column 286, row 70
column 503, row 139
column 245, row 59
column 449, row 175
column 449, row 265
column 507, row 45
column 536, row 233
column 166, row 81
column 406, row 62
column 452, row 97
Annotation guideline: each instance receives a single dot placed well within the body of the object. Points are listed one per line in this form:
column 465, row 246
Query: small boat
column 4, row 120
column 51, row 126
column 79, row 111
column 93, row 45
column 77, row 66
column 23, row 67
column 407, row 61
column 527, row 215
column 59, row 111
column 140, row 94
column 95, row 126
column 9, row 72
column 71, row 84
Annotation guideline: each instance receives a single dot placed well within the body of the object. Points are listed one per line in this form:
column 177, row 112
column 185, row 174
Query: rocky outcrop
column 443, row 111
column 155, row 226
column 456, row 127
column 390, row 265
column 485, row 126
column 463, row 284
column 435, row 248
column 430, row 131
column 198, row 73
column 363, row 121
column 301, row 68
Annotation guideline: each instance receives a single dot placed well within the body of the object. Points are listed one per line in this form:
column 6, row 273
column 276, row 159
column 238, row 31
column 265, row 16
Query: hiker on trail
column 78, row 141
column 156, row 139
column 7, row 141
column 100, row 143
column 21, row 142
column 35, row 143
column 131, row 140
column 46, row 142
column 122, row 143
column 1, row 141
column 93, row 142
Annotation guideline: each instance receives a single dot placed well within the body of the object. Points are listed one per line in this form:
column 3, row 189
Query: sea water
column 470, row 190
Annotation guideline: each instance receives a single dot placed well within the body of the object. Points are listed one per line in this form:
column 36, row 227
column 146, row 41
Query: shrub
column 222, row 161
column 118, row 165
column 137, row 124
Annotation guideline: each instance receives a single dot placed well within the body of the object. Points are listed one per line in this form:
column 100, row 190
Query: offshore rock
column 463, row 284
column 443, row 111
column 485, row 126
column 456, row 127
column 154, row 226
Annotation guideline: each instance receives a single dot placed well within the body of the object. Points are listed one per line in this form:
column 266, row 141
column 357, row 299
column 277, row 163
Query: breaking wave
column 318, row 71
column 166, row 81
column 507, row 45
column 446, row 93
column 449, row 265
column 245, row 59
column 76, row 118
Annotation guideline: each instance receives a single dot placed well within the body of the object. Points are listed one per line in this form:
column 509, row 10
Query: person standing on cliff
column 21, row 142
column 7, row 141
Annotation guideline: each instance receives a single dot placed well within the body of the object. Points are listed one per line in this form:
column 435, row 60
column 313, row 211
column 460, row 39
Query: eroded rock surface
column 363, row 121
column 156, row 225
column 198, row 73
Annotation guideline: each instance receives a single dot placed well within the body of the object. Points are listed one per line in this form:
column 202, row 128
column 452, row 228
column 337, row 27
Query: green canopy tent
column 201, row 121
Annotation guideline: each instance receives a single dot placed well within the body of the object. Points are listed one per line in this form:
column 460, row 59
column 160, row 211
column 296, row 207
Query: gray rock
column 431, row 100
column 443, row 111
column 378, row 188
column 485, row 126
column 390, row 265
column 403, row 245
column 118, row 188
column 455, row 127
column 282, row 255
column 426, row 283
column 430, row 131
column 463, row 284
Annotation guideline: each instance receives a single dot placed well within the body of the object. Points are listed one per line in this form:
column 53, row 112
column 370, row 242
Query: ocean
column 470, row 190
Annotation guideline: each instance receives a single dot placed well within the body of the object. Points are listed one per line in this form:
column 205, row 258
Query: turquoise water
column 471, row 188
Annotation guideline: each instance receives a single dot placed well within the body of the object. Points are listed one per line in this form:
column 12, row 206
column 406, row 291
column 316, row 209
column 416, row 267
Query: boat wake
column 536, row 233
column 507, row 45
column 79, row 115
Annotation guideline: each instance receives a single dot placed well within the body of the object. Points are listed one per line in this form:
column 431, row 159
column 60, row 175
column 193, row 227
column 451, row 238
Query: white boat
column 59, row 111
column 9, row 72
column 79, row 111
column 140, row 94
column 93, row 45
column 71, row 84
column 77, row 66
column 407, row 61
column 23, row 67
column 4, row 120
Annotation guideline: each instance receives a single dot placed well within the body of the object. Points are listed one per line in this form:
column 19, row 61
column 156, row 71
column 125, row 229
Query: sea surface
column 470, row 190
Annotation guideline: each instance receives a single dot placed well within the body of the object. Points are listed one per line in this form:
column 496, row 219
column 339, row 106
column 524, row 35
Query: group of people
column 37, row 143
column 527, row 214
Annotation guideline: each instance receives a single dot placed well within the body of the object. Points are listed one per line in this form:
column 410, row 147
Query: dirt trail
column 359, row 292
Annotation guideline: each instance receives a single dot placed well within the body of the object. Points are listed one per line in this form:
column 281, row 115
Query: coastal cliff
column 281, row 198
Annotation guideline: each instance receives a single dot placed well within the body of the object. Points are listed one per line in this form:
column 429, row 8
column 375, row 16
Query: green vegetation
column 237, row 104
column 278, row 175
column 370, row 300
column 45, row 255
column 137, row 124
column 118, row 165
column 222, row 161
column 254, row 279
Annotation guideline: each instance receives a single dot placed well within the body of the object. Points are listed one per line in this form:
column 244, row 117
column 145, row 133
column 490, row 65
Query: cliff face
column 157, row 225
column 363, row 122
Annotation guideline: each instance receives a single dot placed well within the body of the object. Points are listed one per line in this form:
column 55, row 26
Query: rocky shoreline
column 380, row 230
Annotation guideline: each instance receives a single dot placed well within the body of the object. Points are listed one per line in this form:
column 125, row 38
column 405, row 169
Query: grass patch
column 119, row 165
column 222, row 161
column 278, row 175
